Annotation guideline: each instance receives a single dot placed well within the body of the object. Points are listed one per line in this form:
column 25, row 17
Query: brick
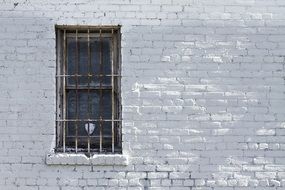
column 202, row 95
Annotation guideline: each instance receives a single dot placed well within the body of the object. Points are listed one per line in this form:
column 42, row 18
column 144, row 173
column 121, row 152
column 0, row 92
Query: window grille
column 88, row 89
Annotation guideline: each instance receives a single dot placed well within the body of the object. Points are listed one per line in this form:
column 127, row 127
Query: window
column 88, row 89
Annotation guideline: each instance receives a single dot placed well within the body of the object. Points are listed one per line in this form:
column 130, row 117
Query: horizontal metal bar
column 92, row 35
column 91, row 136
column 85, row 120
column 94, row 151
column 100, row 75
column 86, row 27
column 86, row 88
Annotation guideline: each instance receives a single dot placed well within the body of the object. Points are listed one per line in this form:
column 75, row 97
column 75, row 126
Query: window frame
column 61, row 97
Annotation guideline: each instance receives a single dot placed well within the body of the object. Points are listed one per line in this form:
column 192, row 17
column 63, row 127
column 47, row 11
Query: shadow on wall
column 209, row 104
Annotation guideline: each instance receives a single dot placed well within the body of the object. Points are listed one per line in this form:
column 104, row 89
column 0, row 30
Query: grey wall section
column 202, row 90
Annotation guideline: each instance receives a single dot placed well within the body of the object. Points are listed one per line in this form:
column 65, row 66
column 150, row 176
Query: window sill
column 81, row 159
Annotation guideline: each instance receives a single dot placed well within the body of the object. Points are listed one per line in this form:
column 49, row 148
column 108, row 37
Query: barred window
column 88, row 89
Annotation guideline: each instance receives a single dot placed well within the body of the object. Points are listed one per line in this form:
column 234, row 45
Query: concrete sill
column 81, row 159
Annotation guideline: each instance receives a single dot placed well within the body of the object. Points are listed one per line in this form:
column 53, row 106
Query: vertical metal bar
column 63, row 89
column 76, row 87
column 118, row 89
column 59, row 126
column 100, row 100
column 88, row 101
column 113, row 106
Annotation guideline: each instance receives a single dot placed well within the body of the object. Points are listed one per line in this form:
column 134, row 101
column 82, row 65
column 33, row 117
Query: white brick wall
column 203, row 94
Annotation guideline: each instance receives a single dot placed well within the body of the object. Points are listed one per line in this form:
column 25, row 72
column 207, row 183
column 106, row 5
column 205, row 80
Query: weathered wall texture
column 203, row 94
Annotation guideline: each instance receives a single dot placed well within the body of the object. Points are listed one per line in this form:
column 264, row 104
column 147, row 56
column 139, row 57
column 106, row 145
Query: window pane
column 83, row 61
column 71, row 58
column 94, row 136
column 107, row 134
column 106, row 56
column 83, row 66
column 80, row 58
column 93, row 130
column 94, row 104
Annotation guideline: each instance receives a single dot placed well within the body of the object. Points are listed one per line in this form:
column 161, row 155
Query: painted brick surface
column 202, row 88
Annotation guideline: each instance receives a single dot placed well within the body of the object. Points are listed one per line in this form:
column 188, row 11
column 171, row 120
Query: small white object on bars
column 91, row 128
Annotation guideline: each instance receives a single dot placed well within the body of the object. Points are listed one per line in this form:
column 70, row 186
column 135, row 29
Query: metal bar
column 85, row 27
column 59, row 126
column 86, row 88
column 117, row 89
column 91, row 75
column 113, row 108
column 76, row 84
column 118, row 83
column 93, row 150
column 100, row 99
column 88, row 101
column 63, row 88
column 91, row 35
column 94, row 136
column 84, row 120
